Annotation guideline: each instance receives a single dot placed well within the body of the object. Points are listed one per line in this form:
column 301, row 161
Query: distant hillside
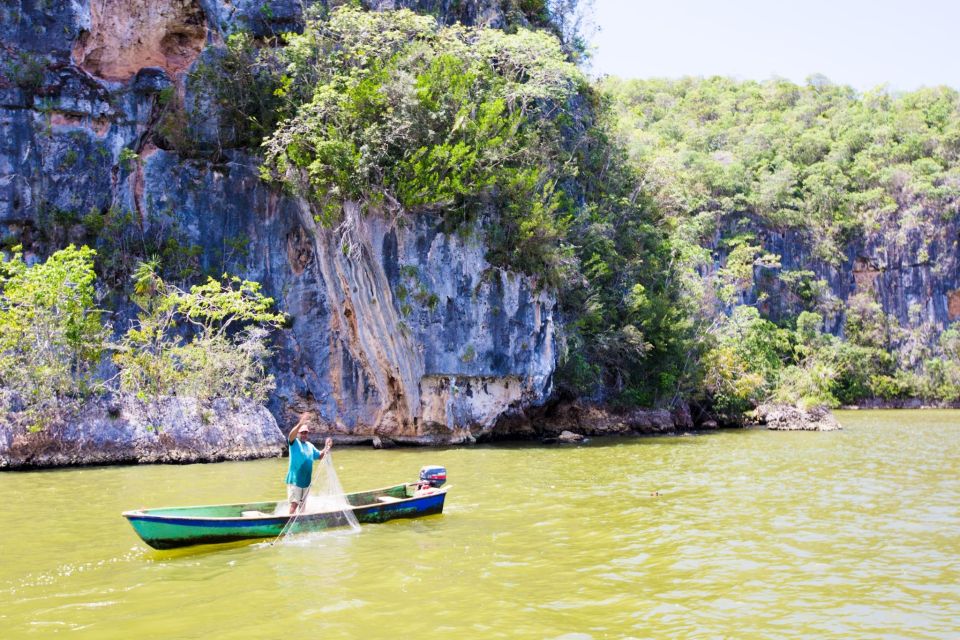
column 846, row 205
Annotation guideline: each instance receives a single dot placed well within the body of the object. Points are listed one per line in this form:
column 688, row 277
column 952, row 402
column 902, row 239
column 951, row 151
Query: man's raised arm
column 293, row 433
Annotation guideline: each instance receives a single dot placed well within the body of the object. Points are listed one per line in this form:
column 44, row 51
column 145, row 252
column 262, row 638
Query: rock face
column 399, row 328
column 779, row 417
column 569, row 437
column 911, row 269
column 580, row 418
column 170, row 430
column 125, row 36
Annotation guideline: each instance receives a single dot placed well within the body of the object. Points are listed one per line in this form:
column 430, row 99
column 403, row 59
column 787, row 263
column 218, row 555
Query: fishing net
column 326, row 496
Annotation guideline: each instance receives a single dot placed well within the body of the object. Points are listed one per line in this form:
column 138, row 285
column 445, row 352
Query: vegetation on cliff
column 223, row 352
column 397, row 112
column 725, row 161
column 818, row 157
column 402, row 114
column 622, row 197
column 644, row 204
column 51, row 333
column 53, row 336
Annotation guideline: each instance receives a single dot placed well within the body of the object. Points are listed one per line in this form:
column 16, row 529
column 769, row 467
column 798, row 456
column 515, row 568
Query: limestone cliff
column 910, row 270
column 172, row 430
column 398, row 328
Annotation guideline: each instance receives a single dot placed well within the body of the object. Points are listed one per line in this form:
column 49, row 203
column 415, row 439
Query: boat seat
column 388, row 499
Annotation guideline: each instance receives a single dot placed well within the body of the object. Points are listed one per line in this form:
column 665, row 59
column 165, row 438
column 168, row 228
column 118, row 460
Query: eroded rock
column 781, row 417
column 589, row 419
column 125, row 431
column 125, row 36
column 570, row 437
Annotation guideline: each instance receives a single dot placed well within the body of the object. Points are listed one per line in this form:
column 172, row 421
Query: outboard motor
column 435, row 476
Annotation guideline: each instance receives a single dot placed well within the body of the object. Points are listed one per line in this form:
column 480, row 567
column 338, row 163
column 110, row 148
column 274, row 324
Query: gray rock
column 151, row 80
column 171, row 430
column 570, row 437
column 594, row 419
column 383, row 443
column 882, row 264
column 411, row 333
column 781, row 417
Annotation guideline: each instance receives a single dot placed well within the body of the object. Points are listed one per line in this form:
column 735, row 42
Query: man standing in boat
column 302, row 455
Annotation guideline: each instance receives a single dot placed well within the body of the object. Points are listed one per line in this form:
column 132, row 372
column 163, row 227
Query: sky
column 904, row 44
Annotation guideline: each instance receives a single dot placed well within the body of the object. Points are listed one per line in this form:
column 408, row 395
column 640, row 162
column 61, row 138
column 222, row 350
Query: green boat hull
column 169, row 528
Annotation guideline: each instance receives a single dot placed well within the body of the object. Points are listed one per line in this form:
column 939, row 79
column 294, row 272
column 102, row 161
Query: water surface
column 854, row 534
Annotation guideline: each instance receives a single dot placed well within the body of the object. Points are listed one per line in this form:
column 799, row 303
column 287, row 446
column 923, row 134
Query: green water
column 754, row 535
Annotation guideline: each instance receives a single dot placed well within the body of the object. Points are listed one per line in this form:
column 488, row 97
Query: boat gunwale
column 144, row 514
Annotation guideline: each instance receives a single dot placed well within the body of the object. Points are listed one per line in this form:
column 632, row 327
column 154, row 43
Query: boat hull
column 187, row 526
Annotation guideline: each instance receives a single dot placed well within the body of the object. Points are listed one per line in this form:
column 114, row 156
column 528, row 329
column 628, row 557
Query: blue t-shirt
column 302, row 455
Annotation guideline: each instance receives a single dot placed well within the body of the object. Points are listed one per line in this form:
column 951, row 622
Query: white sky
column 863, row 43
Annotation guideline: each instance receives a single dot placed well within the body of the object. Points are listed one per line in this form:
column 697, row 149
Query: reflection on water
column 737, row 534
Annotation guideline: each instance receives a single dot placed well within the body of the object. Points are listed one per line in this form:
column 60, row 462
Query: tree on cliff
column 730, row 163
column 398, row 112
column 206, row 342
column 51, row 333
column 395, row 111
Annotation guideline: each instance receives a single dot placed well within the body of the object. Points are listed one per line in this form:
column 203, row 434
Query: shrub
column 218, row 353
column 391, row 109
column 51, row 333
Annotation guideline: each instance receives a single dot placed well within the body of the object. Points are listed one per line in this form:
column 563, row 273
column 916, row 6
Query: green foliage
column 611, row 198
column 128, row 158
column 51, row 333
column 751, row 360
column 396, row 112
column 867, row 324
column 736, row 276
column 628, row 327
column 818, row 157
column 392, row 110
column 25, row 69
column 746, row 358
column 245, row 85
column 412, row 289
column 724, row 161
column 219, row 350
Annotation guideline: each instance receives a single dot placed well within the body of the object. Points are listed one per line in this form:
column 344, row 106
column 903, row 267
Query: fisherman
column 302, row 455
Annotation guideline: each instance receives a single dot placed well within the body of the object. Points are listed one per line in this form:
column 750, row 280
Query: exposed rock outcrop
column 569, row 437
column 781, row 417
column 911, row 270
column 129, row 431
column 399, row 328
column 549, row 422
column 125, row 36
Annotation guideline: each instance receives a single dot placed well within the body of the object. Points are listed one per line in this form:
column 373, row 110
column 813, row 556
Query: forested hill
column 818, row 208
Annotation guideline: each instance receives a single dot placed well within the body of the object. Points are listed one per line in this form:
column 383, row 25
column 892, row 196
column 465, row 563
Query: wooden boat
column 172, row 527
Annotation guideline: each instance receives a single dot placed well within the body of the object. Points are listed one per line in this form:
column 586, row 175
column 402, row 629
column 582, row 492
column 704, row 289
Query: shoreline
column 899, row 405
column 364, row 442
column 124, row 433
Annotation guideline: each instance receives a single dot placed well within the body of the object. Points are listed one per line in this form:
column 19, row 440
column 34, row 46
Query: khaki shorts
column 296, row 494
